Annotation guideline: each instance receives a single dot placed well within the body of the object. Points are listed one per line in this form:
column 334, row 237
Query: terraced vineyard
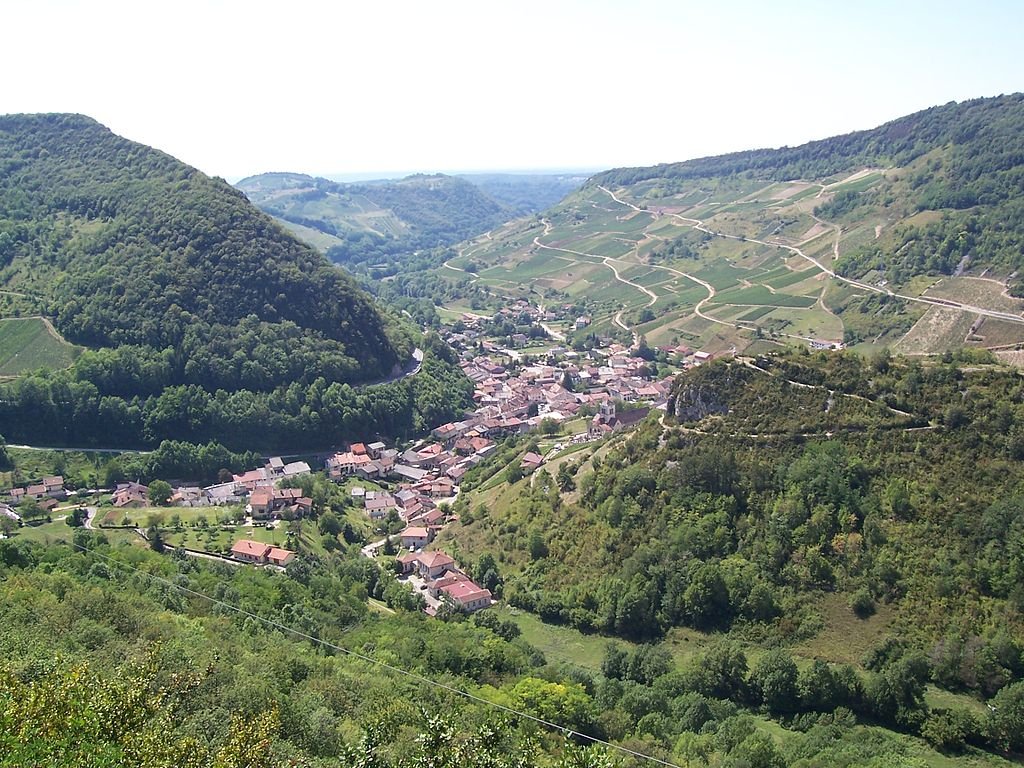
column 727, row 263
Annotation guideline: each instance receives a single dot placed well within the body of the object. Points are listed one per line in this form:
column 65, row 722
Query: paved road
column 72, row 448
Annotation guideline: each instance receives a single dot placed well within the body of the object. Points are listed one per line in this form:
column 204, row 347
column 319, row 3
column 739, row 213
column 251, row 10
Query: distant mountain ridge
column 419, row 211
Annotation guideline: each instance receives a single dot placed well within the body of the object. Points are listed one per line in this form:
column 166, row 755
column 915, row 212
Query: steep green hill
column 909, row 235
column 965, row 160
column 199, row 312
column 128, row 246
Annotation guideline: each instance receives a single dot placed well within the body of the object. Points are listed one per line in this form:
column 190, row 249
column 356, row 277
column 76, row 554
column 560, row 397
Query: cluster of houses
column 256, row 488
column 47, row 492
column 444, row 581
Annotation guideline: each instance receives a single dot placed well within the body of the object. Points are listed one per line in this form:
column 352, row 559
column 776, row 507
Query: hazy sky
column 237, row 88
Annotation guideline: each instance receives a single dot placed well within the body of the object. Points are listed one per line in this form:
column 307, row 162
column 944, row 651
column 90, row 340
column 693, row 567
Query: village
column 580, row 396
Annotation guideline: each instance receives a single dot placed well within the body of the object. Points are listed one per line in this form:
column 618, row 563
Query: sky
column 387, row 87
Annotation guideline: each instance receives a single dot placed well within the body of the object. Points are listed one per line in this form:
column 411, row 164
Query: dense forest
column 70, row 408
column 965, row 160
column 887, row 482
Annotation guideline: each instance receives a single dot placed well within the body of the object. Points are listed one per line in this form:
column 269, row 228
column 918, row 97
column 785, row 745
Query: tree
column 156, row 539
column 1005, row 725
column 774, row 680
column 564, row 477
column 817, row 687
column 160, row 492
column 538, row 547
column 615, row 662
column 329, row 524
column 7, row 525
column 949, row 729
column 487, row 574
column 29, row 509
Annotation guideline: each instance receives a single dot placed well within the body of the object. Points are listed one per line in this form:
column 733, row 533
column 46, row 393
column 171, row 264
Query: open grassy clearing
column 28, row 344
column 59, row 532
column 560, row 645
column 844, row 638
column 32, row 465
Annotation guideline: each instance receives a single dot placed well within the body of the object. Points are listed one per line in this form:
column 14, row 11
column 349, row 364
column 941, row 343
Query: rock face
column 704, row 391
column 693, row 402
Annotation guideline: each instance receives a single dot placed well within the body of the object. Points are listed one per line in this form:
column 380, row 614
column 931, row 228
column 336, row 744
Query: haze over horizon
column 330, row 90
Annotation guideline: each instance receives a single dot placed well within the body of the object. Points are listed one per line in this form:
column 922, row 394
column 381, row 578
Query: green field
column 754, row 314
column 27, row 344
column 760, row 295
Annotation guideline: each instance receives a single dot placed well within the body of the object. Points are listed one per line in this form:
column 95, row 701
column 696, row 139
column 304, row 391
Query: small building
column 415, row 537
column 409, row 473
column 408, row 561
column 466, row 596
column 261, row 503
column 280, row 557
column 432, row 565
column 130, row 496
column 531, row 461
column 249, row 551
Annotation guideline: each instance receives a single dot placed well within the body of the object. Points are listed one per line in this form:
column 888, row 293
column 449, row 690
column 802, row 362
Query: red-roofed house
column 250, row 551
column 434, row 564
column 414, row 538
column 531, row 460
column 131, row 495
column 408, row 561
column 261, row 503
column 279, row 556
column 466, row 596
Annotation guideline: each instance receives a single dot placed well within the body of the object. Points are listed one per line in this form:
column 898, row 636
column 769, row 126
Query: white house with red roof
column 466, row 596
column 415, row 537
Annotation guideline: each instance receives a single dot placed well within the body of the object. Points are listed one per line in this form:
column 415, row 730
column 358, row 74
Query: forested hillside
column 127, row 246
column 110, row 657
column 204, row 319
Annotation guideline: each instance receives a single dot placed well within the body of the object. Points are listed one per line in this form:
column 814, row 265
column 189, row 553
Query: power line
column 392, row 668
